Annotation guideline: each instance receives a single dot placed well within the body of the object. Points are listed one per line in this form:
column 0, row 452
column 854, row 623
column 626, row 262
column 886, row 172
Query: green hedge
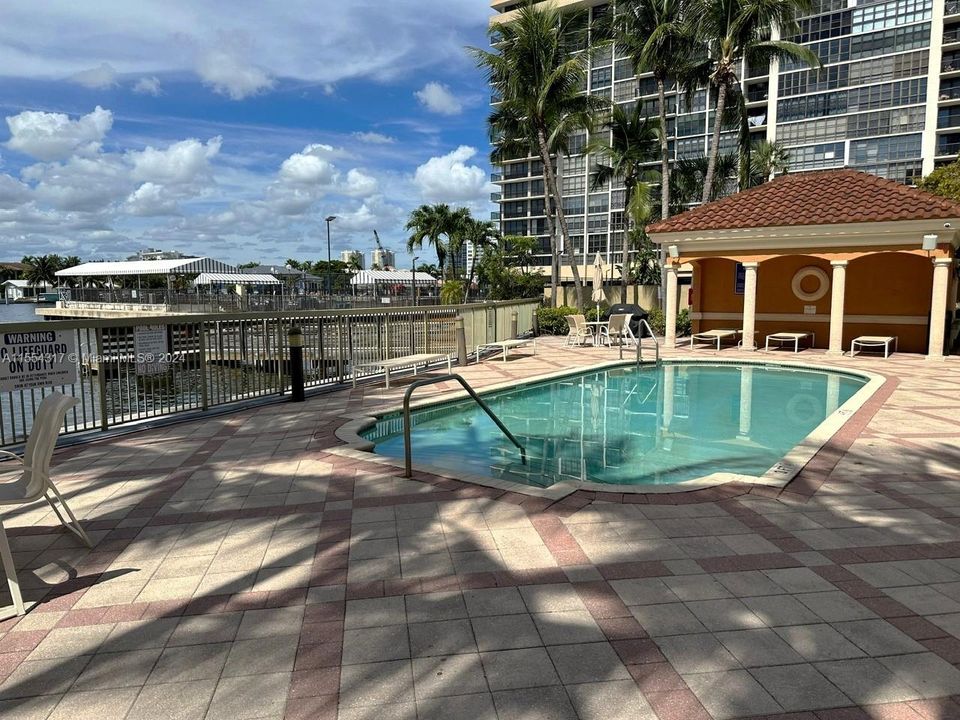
column 658, row 322
column 552, row 320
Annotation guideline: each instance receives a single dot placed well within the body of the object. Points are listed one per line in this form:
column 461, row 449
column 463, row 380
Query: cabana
column 838, row 254
column 167, row 268
column 393, row 283
column 236, row 280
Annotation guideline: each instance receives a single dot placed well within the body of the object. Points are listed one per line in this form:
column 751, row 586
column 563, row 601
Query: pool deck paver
column 242, row 570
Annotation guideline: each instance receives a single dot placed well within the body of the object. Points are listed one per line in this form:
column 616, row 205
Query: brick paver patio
column 241, row 570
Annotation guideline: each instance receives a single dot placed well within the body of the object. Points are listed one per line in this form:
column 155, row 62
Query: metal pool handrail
column 656, row 343
column 443, row 378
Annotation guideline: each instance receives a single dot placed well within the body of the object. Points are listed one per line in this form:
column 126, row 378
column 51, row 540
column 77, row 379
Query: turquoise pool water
column 627, row 425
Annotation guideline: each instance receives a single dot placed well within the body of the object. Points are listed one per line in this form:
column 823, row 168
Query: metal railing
column 644, row 325
column 213, row 360
column 407, row 452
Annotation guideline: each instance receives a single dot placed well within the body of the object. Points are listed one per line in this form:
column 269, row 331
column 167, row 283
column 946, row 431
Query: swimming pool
column 627, row 425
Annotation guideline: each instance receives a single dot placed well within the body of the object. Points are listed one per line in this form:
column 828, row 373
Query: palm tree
column 41, row 269
column 430, row 223
column 737, row 30
column 633, row 146
column 457, row 224
column 538, row 75
column 689, row 176
column 479, row 234
column 655, row 35
column 767, row 159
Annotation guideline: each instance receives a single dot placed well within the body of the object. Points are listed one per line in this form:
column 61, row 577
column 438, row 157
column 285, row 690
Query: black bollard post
column 295, row 340
column 513, row 324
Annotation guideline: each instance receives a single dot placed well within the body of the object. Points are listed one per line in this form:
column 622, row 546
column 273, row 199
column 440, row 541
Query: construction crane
column 383, row 251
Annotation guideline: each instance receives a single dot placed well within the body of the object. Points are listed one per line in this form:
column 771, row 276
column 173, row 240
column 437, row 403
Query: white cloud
column 359, row 184
column 310, row 166
column 437, row 98
column 151, row 200
column 54, row 136
column 98, row 78
column 292, row 40
column 180, row 164
column 227, row 68
column 448, row 178
column 148, row 86
column 12, row 192
column 374, row 138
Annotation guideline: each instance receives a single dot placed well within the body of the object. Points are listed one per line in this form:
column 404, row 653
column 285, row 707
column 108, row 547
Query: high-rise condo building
column 886, row 101
column 383, row 259
column 352, row 256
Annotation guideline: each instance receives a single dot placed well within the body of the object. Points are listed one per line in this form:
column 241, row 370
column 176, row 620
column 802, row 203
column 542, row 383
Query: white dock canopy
column 235, row 279
column 396, row 277
column 178, row 266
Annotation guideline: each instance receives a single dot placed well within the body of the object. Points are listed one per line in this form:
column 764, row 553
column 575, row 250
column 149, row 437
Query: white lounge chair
column 874, row 341
column 406, row 361
column 504, row 345
column 790, row 337
column 618, row 328
column 24, row 480
column 714, row 336
column 579, row 330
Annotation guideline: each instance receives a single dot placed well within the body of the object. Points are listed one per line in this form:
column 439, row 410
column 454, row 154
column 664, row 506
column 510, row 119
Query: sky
column 232, row 130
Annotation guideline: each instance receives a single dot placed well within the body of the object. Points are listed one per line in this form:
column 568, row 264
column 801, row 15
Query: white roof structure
column 176, row 266
column 397, row 277
column 235, row 279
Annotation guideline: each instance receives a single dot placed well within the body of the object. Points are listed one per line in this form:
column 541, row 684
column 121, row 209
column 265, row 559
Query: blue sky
column 233, row 134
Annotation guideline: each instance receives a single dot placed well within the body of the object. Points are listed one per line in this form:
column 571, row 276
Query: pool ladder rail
column 407, row 452
column 656, row 343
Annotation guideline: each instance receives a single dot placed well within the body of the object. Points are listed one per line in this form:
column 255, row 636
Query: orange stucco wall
column 878, row 284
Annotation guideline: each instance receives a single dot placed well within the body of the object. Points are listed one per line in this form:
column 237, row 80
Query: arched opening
column 793, row 295
column 888, row 293
column 716, row 302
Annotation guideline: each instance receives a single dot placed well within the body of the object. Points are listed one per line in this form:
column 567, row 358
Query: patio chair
column 28, row 479
column 618, row 328
column 579, row 330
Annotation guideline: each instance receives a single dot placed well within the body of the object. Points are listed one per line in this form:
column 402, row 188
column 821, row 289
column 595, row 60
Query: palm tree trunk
column 715, row 145
column 551, row 178
column 628, row 226
column 554, row 253
column 664, row 153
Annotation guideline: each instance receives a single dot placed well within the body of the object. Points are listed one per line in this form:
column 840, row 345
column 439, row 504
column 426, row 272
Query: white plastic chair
column 579, row 330
column 32, row 480
column 618, row 328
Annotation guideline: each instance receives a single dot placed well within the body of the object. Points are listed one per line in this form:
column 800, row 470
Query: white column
column 670, row 340
column 750, row 305
column 839, row 283
column 938, row 305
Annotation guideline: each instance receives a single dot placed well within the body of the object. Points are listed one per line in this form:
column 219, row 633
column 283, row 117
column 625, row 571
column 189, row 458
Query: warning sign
column 150, row 346
column 40, row 358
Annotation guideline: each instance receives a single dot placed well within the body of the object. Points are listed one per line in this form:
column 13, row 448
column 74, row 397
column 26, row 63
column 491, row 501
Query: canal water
column 19, row 312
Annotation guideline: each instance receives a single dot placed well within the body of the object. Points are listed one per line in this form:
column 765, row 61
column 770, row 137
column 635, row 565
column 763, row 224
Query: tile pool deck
column 240, row 570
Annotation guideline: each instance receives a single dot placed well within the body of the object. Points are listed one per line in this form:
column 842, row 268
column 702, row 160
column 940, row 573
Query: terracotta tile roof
column 825, row 197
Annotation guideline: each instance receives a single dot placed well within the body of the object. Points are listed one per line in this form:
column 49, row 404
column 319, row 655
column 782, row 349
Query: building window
column 599, row 203
column 814, row 157
column 875, row 150
column 867, row 18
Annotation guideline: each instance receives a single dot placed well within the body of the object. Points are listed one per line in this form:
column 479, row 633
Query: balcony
column 494, row 215
column 494, row 197
column 496, row 177
column 951, row 7
column 951, row 35
column 948, row 144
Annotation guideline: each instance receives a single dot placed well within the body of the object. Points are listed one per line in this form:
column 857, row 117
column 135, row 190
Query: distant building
column 384, row 259
column 352, row 257
column 152, row 254
column 21, row 291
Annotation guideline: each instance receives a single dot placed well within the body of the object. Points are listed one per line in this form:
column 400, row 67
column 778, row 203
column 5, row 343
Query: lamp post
column 329, row 219
column 413, row 280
